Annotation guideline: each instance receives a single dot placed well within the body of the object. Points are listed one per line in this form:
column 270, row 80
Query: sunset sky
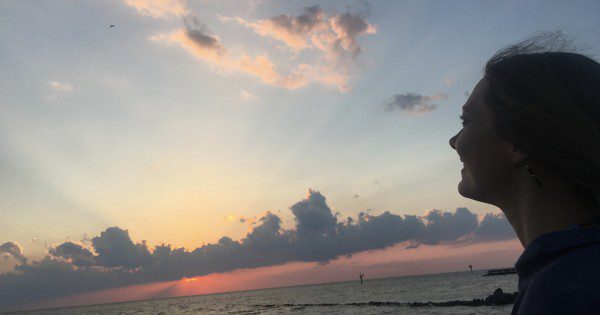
column 300, row 132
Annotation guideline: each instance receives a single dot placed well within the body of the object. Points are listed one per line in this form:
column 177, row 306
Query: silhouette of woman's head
column 535, row 114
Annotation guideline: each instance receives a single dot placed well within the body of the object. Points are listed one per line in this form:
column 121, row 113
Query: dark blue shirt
column 559, row 273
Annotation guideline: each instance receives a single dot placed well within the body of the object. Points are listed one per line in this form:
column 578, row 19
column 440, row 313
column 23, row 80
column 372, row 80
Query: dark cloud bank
column 114, row 260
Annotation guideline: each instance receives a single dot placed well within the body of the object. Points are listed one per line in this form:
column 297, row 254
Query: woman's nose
column 453, row 141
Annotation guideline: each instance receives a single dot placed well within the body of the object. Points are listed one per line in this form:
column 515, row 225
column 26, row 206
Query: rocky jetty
column 498, row 298
column 500, row 272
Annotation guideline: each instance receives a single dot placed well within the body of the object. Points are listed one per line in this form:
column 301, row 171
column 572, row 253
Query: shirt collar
column 549, row 245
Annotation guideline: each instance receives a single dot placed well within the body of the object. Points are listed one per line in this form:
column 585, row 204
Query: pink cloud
column 292, row 30
column 209, row 49
column 336, row 37
column 313, row 29
column 159, row 8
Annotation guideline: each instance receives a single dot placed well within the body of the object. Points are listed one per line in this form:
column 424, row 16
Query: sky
column 270, row 142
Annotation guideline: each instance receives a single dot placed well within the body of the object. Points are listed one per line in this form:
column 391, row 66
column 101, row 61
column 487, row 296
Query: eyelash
column 463, row 119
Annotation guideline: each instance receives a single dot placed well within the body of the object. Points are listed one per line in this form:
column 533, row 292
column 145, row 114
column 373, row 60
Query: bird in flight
column 111, row 26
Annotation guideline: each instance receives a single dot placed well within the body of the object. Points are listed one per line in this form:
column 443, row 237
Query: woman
column 530, row 145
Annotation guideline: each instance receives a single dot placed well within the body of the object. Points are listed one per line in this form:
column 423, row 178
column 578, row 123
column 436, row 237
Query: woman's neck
column 534, row 211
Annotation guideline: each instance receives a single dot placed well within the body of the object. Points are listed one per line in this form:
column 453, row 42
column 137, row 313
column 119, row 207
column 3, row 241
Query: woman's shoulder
column 548, row 295
column 570, row 284
column 578, row 265
column 552, row 298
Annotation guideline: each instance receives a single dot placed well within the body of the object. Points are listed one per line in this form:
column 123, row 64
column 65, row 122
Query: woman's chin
column 463, row 189
column 466, row 190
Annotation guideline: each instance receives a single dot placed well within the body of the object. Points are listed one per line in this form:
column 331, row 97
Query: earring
column 533, row 175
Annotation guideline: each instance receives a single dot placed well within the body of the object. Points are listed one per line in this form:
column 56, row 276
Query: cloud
column 230, row 218
column 116, row 249
column 313, row 29
column 348, row 27
column 413, row 246
column 413, row 103
column 208, row 48
column 198, row 43
column 335, row 37
column 159, row 8
column 205, row 41
column 13, row 250
column 447, row 226
column 58, row 86
column 74, row 253
column 114, row 260
column 494, row 227
column 294, row 31
column 247, row 96
column 313, row 216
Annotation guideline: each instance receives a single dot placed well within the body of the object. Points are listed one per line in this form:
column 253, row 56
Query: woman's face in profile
column 487, row 160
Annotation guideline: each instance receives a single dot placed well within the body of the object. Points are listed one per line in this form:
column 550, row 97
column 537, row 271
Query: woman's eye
column 463, row 119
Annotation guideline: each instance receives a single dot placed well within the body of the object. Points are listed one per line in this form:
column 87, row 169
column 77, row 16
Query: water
column 435, row 288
